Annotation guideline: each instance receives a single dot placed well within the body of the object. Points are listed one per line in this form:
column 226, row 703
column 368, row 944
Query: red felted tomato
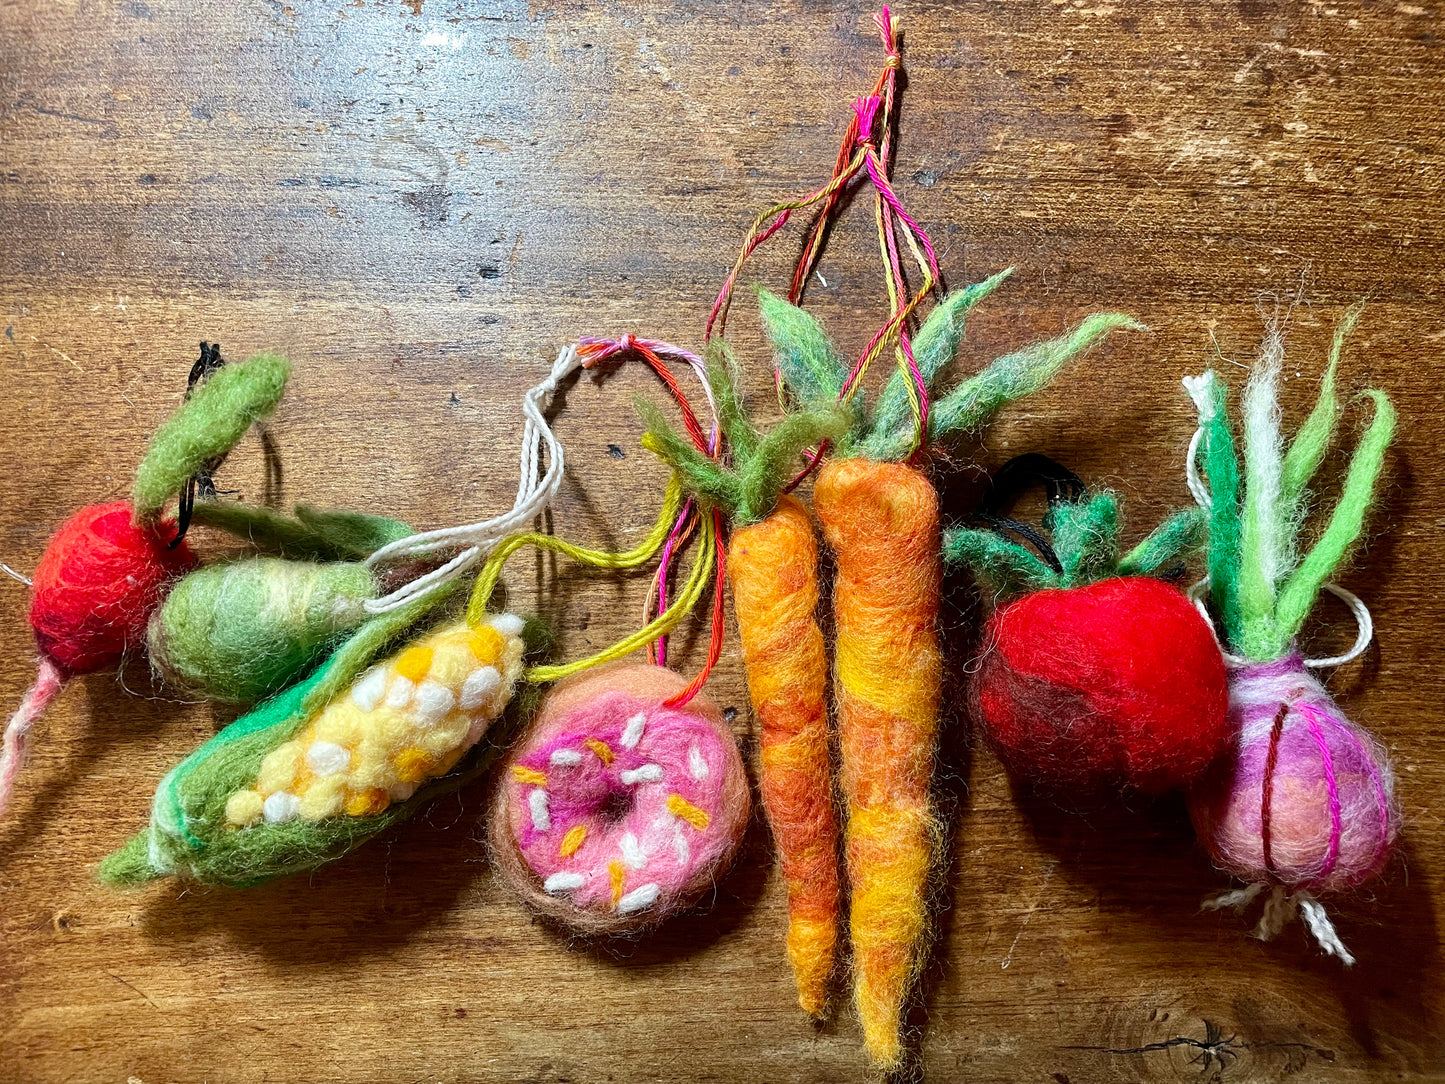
column 1092, row 674
column 1115, row 683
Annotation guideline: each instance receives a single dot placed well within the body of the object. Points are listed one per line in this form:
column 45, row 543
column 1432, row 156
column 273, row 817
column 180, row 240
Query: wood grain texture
column 419, row 202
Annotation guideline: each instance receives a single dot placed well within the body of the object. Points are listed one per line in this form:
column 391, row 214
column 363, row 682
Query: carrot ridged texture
column 774, row 568
column 881, row 521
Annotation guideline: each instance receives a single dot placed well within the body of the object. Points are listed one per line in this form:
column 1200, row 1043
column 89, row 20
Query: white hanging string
column 1364, row 623
column 1280, row 907
column 534, row 494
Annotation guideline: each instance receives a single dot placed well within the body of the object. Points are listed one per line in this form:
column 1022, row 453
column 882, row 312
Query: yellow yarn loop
column 644, row 551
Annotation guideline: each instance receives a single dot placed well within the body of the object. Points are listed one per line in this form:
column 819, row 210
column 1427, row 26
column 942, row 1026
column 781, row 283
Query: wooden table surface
column 419, row 202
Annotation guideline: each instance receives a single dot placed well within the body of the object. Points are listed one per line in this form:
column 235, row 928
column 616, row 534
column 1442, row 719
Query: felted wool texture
column 207, row 425
column 881, row 521
column 291, row 786
column 773, row 565
column 1117, row 684
column 1308, row 799
column 615, row 811
column 307, row 534
column 239, row 631
column 97, row 584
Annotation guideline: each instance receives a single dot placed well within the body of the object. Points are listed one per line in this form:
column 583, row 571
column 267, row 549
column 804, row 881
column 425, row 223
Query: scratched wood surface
column 419, row 202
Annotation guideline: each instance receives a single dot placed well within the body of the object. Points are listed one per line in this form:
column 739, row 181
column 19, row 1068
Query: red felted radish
column 1094, row 674
column 106, row 569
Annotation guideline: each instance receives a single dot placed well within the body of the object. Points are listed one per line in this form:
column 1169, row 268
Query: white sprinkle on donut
column 637, row 899
column 566, row 758
column 632, row 852
column 696, row 765
column 541, row 811
column 647, row 773
column 632, row 730
column 563, row 882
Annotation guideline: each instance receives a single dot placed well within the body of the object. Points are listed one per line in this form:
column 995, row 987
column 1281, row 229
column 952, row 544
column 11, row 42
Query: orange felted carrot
column 880, row 517
column 772, row 561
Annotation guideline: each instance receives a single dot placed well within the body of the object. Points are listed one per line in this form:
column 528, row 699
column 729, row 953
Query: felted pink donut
column 617, row 811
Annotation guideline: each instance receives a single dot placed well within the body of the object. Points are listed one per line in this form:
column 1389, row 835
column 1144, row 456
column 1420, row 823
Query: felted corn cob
column 330, row 762
column 404, row 721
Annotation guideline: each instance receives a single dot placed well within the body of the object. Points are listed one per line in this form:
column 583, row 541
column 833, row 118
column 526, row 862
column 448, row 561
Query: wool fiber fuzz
column 773, row 564
column 1306, row 802
column 1309, row 800
column 207, row 426
column 881, row 520
column 240, row 631
column 1117, row 684
column 1094, row 675
column 97, row 584
column 309, row 775
column 98, row 581
column 616, row 811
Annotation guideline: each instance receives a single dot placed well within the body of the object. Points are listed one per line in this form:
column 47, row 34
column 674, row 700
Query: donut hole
column 615, row 807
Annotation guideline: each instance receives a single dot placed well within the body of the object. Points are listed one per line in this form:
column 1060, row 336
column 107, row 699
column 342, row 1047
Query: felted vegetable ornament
column 107, row 568
column 1305, row 804
column 329, row 763
column 879, row 514
column 773, row 564
column 619, row 808
column 244, row 629
column 240, row 630
column 395, row 716
column 1093, row 674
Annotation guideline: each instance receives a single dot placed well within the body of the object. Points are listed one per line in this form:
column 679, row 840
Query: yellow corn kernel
column 414, row 664
column 446, row 736
column 244, row 807
column 487, row 644
column 278, row 770
column 452, row 660
column 343, row 723
column 323, row 798
column 367, row 803
column 413, row 765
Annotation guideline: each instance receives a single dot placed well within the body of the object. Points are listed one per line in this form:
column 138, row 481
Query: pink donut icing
column 622, row 807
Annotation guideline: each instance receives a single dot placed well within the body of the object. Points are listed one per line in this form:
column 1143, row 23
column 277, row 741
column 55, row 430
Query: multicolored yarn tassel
column 1093, row 674
column 1307, row 803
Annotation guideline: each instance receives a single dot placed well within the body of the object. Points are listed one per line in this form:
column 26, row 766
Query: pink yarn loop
column 1332, row 855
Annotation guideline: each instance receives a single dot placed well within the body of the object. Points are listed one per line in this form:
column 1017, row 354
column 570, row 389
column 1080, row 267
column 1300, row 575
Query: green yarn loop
column 205, row 426
column 1085, row 541
column 240, row 631
column 1261, row 590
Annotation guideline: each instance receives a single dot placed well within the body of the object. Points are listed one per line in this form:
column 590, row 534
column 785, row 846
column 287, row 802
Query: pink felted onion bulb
column 1307, row 801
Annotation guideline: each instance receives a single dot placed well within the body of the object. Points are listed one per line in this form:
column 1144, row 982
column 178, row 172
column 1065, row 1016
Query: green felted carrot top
column 815, row 373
